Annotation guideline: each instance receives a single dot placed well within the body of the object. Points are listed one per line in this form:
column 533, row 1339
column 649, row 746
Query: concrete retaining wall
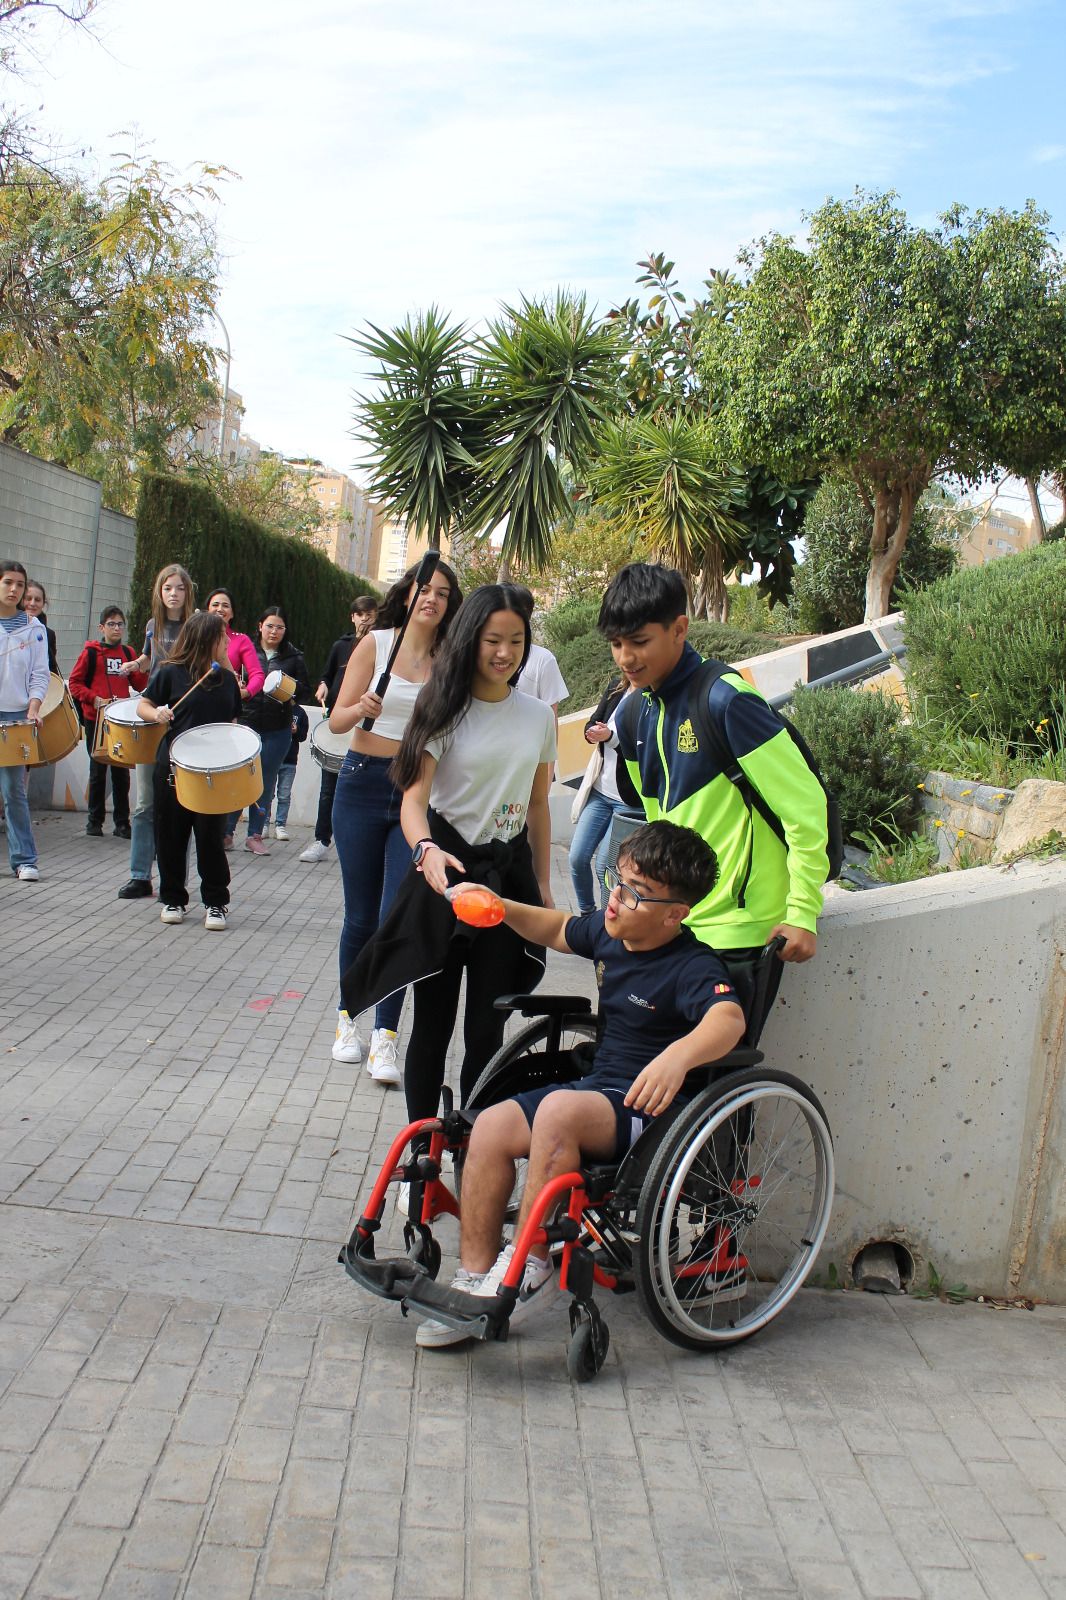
column 931, row 1025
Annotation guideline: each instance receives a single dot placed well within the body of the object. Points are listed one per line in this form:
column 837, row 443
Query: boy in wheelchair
column 667, row 1005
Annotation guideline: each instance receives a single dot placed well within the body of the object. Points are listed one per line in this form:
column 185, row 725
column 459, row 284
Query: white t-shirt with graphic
column 487, row 763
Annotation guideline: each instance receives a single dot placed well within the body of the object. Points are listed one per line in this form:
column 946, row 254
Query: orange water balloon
column 479, row 907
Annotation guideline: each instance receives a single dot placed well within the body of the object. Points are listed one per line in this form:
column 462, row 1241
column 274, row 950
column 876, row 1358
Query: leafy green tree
column 588, row 548
column 829, row 590
column 104, row 292
column 268, row 491
column 894, row 354
column 758, row 517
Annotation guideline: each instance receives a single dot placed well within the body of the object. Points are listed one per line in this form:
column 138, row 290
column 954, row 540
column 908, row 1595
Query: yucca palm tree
column 425, row 425
column 547, row 374
column 663, row 476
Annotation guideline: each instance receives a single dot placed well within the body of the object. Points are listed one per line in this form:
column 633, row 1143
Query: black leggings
column 173, row 827
column 436, row 1002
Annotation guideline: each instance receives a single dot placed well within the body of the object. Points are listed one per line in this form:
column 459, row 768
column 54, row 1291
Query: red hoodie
column 96, row 673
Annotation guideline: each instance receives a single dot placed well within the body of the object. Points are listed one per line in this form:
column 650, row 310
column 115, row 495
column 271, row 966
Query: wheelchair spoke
column 740, row 1207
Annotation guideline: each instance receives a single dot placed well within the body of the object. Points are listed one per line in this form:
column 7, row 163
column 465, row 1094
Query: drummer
column 102, row 673
column 201, row 642
column 173, row 603
column 23, row 685
column 271, row 718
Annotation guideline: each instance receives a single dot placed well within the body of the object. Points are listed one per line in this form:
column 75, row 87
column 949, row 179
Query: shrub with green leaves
column 866, row 753
column 568, row 621
column 182, row 521
column 986, row 648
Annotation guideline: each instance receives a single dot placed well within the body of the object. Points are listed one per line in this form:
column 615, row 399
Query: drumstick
column 210, row 673
column 426, row 568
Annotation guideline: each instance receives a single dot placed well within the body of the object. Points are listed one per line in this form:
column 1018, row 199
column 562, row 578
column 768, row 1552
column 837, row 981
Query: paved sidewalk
column 195, row 1401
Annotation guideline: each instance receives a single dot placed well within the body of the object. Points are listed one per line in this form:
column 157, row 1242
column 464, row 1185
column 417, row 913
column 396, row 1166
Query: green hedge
column 986, row 648
column 182, row 521
column 585, row 658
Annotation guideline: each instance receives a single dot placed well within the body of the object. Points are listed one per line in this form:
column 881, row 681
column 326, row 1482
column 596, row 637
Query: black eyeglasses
column 632, row 898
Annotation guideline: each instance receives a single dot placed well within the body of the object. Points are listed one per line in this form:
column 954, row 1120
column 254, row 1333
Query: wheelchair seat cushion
column 630, row 1124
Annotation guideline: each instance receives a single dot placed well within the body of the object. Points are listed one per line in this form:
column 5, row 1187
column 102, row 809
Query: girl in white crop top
column 366, row 807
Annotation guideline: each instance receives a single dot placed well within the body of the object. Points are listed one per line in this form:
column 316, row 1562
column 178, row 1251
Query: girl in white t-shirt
column 474, row 766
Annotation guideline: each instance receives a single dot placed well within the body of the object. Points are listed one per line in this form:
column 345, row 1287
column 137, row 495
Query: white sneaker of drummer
column 346, row 1046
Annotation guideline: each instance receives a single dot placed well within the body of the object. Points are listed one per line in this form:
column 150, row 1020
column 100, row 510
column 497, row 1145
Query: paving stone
column 77, row 1565
column 299, row 1554
column 29, row 1519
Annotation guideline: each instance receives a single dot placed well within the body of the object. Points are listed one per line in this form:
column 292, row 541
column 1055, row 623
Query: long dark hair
column 449, row 690
column 393, row 609
column 220, row 590
column 196, row 644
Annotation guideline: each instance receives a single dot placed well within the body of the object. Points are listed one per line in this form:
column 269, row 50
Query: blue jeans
column 592, row 836
column 275, row 749
column 21, row 848
column 286, row 779
column 142, row 825
column 374, row 856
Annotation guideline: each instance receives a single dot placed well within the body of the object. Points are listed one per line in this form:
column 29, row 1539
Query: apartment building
column 999, row 533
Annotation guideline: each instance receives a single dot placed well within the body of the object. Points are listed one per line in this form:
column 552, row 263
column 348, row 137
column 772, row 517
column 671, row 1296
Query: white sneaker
column 432, row 1335
column 216, row 918
column 346, row 1046
column 538, row 1284
column 315, row 852
column 381, row 1058
column 172, row 914
column 28, row 874
column 281, row 833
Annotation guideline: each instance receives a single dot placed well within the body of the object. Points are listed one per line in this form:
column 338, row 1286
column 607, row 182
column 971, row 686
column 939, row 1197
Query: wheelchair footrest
column 479, row 1316
column 392, row 1278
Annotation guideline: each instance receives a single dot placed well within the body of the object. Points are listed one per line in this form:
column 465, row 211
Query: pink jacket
column 242, row 655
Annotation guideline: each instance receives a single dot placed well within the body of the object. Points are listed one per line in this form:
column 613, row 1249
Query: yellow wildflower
column 965, row 792
column 938, row 823
column 975, row 697
column 921, row 786
column 961, row 833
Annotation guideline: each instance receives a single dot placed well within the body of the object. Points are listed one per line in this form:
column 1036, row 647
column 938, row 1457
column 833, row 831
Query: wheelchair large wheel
column 734, row 1209
column 529, row 1059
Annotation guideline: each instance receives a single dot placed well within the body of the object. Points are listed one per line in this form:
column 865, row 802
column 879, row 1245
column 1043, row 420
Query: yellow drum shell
column 217, row 768
column 125, row 740
column 24, row 745
column 279, row 686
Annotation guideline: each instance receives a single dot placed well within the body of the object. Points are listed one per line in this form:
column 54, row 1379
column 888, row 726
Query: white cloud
column 1049, row 152
column 392, row 155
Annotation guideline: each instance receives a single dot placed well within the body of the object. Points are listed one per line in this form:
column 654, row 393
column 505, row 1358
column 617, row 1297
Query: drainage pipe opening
column 883, row 1266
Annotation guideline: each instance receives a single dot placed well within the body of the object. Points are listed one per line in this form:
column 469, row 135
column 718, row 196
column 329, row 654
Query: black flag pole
column 426, row 568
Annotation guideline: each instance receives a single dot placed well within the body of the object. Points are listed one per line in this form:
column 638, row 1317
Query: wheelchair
column 714, row 1217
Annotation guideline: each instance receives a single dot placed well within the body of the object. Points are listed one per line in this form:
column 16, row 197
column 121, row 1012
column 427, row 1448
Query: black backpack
column 699, row 688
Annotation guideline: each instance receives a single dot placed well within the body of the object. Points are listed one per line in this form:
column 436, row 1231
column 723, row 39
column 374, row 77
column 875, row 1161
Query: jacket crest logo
column 687, row 743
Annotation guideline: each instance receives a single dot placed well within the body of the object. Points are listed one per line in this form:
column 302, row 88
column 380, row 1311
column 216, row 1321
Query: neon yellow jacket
column 761, row 882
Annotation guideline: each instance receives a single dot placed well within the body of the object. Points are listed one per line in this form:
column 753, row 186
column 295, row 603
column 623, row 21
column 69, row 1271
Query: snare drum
column 22, row 744
column 279, row 685
column 329, row 749
column 123, row 739
column 217, row 768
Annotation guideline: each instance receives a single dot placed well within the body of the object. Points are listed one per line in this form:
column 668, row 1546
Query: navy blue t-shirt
column 648, row 998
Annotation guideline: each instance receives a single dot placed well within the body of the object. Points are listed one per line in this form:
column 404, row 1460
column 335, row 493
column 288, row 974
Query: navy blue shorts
column 629, row 1123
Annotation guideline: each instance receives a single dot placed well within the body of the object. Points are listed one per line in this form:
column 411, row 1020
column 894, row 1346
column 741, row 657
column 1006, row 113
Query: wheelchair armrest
column 741, row 1057
column 545, row 1005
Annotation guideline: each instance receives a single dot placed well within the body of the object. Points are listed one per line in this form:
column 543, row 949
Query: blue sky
column 396, row 154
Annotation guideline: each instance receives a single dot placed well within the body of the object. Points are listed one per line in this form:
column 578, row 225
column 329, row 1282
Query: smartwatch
column 419, row 851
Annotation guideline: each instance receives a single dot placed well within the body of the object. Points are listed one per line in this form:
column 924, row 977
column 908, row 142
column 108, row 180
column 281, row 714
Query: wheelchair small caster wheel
column 587, row 1350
